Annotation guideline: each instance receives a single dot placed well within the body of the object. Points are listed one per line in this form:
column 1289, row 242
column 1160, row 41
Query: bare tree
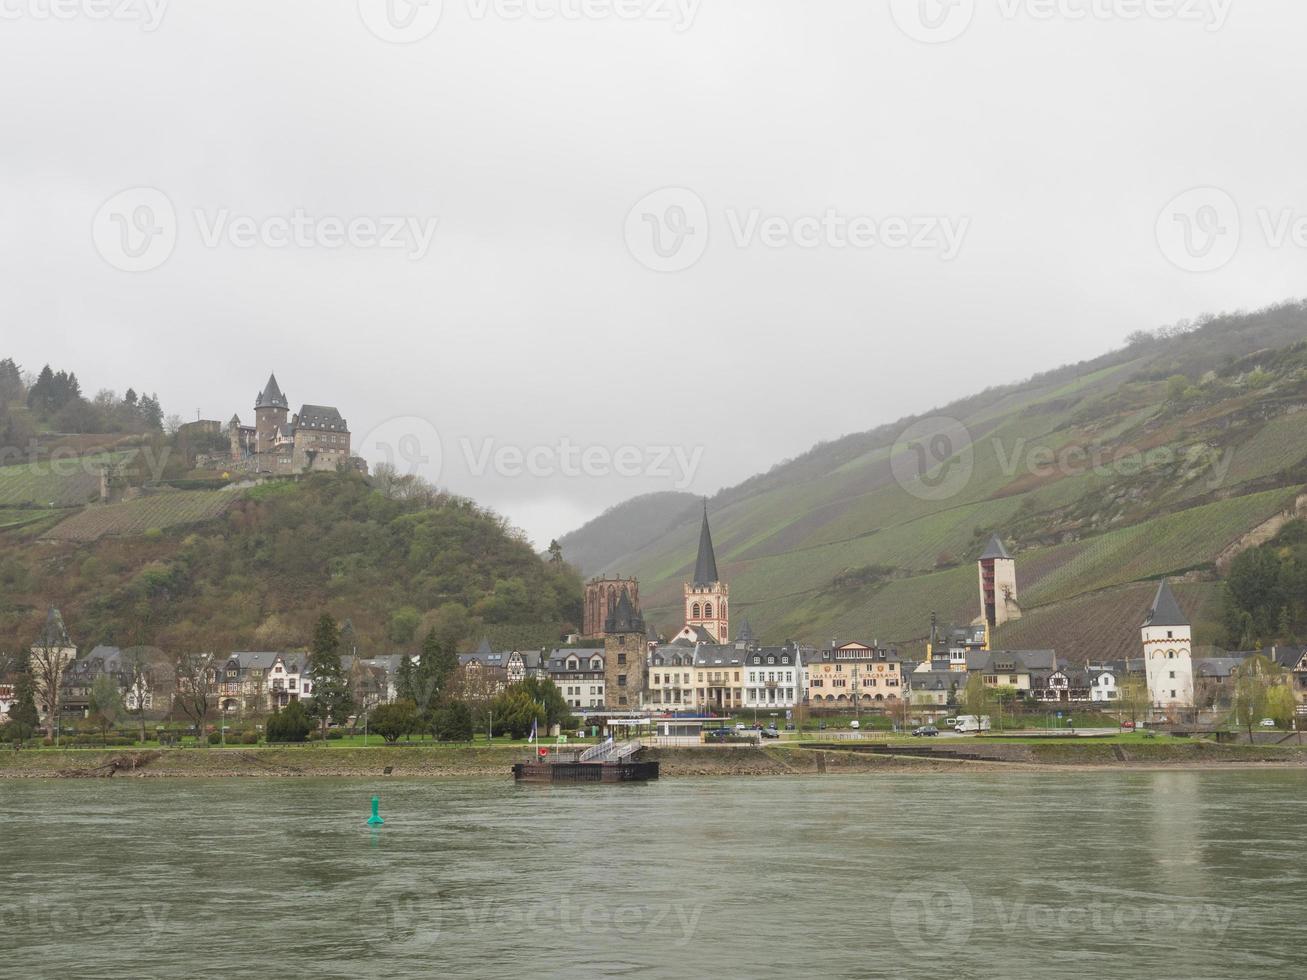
column 144, row 669
column 196, row 688
column 50, row 656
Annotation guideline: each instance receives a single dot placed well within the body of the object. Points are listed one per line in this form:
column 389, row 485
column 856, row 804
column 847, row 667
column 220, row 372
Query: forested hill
column 1165, row 456
column 276, row 556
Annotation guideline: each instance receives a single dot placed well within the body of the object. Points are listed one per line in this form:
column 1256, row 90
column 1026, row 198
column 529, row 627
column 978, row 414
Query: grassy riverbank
column 435, row 761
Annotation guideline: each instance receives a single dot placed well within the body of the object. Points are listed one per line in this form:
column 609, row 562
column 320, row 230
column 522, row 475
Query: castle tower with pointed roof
column 1168, row 652
column 270, row 415
column 707, row 597
column 625, row 656
column 998, row 585
column 315, row 438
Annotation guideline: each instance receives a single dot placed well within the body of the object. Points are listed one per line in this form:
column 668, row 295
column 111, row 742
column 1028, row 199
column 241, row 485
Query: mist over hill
column 1162, row 458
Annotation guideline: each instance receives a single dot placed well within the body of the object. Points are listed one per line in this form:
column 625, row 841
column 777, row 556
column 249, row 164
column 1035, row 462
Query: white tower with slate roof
column 1168, row 652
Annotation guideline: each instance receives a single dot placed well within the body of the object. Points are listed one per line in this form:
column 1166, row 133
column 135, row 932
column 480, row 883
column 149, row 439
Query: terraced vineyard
column 63, row 483
column 20, row 517
column 157, row 512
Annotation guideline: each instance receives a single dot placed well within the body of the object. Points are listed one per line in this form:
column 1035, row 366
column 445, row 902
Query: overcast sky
column 690, row 239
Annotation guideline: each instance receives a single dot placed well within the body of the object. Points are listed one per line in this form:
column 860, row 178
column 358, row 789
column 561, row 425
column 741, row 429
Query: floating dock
column 607, row 762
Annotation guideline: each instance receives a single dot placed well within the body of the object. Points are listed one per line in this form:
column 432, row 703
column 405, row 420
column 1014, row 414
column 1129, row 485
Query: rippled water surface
column 1084, row 875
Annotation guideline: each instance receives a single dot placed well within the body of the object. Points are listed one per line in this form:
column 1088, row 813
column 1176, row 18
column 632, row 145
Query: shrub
column 215, row 738
column 334, row 734
column 390, row 721
column 453, row 723
column 290, row 725
column 250, row 738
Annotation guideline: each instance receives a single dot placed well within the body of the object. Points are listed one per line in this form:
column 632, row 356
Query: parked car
column 1128, row 726
column 770, row 732
column 720, row 734
column 741, row 726
column 1268, row 723
column 855, row 724
column 925, row 730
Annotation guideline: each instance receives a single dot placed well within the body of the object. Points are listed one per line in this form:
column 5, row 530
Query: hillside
column 626, row 528
column 1153, row 460
column 252, row 568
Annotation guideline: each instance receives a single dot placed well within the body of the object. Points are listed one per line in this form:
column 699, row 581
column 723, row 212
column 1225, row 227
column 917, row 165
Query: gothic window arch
column 694, row 611
column 707, row 610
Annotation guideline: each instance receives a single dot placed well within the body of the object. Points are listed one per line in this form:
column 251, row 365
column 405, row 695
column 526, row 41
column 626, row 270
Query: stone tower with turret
column 271, row 410
column 625, row 660
column 707, row 596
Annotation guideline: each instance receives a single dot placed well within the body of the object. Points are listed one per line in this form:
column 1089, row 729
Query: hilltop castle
column 315, row 438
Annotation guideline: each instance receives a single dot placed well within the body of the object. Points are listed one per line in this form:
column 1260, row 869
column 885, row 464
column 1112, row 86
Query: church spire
column 705, row 568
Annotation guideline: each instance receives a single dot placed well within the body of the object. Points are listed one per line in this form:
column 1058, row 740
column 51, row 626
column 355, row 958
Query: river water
column 1002, row 874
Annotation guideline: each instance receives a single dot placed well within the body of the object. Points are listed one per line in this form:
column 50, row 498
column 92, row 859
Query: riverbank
column 438, row 762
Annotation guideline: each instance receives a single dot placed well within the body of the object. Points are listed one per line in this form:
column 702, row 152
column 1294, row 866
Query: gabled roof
column 54, row 634
column 705, row 567
column 624, row 618
column 746, row 633
column 995, row 549
column 1166, row 610
column 1021, row 660
column 271, row 396
column 321, row 417
column 717, row 655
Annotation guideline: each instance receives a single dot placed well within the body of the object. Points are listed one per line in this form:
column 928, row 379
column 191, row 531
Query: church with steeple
column 707, row 597
column 316, row 437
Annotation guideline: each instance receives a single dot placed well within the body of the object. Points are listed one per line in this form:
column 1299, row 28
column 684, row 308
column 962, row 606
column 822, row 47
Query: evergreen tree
column 404, row 680
column 22, row 713
column 332, row 699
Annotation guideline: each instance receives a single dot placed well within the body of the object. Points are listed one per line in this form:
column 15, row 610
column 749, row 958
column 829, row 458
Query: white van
column 970, row 723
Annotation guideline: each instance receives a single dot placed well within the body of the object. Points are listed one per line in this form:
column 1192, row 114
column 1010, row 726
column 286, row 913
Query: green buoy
column 375, row 820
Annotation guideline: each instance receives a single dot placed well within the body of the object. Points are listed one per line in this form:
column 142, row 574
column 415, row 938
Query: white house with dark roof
column 773, row 677
column 579, row 675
